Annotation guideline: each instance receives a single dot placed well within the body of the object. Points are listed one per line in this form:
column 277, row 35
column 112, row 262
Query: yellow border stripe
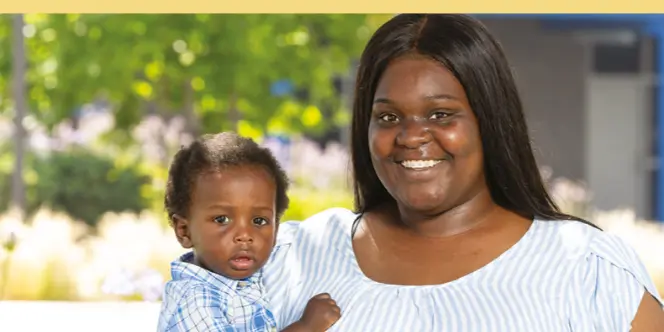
column 328, row 6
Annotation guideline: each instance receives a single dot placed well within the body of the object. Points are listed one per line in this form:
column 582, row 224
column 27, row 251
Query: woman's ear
column 182, row 233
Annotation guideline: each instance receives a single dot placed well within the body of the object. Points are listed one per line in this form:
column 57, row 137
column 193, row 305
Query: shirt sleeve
column 286, row 270
column 612, row 281
column 200, row 310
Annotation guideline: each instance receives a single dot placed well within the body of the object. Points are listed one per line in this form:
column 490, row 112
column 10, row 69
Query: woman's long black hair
column 464, row 46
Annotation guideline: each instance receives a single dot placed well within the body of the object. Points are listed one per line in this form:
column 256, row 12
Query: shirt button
column 241, row 284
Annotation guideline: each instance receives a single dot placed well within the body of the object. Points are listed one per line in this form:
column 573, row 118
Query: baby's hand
column 321, row 313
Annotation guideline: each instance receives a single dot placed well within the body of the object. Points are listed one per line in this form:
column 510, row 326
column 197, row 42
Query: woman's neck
column 455, row 220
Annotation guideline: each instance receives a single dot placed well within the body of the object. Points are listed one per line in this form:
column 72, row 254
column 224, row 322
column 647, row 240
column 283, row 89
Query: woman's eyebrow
column 440, row 96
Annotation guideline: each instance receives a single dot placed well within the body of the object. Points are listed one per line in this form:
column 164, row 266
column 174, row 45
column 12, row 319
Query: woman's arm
column 297, row 327
column 649, row 316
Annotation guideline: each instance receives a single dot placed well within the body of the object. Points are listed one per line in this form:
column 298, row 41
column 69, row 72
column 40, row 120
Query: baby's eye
column 222, row 219
column 260, row 221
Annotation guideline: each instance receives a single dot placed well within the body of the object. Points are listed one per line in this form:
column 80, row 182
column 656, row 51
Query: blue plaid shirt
column 199, row 300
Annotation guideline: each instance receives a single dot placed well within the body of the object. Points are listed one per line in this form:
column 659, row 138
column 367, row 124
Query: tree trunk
column 19, row 64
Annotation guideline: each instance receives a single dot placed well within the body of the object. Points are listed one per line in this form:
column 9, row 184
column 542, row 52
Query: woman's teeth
column 419, row 164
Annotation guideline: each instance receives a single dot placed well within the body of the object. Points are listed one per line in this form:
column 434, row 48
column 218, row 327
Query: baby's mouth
column 242, row 261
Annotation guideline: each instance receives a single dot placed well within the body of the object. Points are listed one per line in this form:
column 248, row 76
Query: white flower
column 145, row 282
column 119, row 283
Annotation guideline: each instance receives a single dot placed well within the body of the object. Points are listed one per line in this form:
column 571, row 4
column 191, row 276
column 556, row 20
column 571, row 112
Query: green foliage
column 210, row 64
column 5, row 60
column 304, row 203
column 215, row 69
column 81, row 184
column 86, row 186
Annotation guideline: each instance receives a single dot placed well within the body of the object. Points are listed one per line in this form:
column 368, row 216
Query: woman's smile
column 420, row 170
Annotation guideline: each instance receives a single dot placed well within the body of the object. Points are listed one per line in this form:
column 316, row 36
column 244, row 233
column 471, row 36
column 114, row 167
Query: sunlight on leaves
column 48, row 35
column 342, row 117
column 197, row 83
column 93, row 70
column 187, row 58
column 311, row 116
column 300, row 37
column 71, row 18
column 154, row 70
column 277, row 125
column 289, row 108
column 80, row 29
column 208, row 103
column 95, row 33
column 139, row 28
column 35, row 18
column 179, row 46
column 245, row 128
column 142, row 89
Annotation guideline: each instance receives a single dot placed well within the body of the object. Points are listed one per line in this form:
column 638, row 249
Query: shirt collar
column 183, row 268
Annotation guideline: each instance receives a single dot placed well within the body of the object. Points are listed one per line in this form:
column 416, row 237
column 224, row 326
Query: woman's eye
column 439, row 116
column 388, row 117
column 260, row 221
column 222, row 219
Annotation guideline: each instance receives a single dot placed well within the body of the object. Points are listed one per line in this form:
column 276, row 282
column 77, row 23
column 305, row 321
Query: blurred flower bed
column 127, row 256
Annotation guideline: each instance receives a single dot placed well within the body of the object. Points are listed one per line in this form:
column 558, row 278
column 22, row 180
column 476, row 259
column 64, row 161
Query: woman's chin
column 422, row 206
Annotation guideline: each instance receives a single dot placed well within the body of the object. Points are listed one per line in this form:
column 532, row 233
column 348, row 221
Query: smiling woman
column 422, row 128
column 453, row 229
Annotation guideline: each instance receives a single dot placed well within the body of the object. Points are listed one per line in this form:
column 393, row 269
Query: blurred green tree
column 252, row 73
column 219, row 71
column 78, row 182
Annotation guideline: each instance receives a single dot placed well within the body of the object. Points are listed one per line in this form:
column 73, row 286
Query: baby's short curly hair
column 214, row 152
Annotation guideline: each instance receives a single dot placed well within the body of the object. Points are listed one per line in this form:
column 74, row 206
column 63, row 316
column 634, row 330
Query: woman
column 454, row 229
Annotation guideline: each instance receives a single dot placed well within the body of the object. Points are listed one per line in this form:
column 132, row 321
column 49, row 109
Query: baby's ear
column 181, row 227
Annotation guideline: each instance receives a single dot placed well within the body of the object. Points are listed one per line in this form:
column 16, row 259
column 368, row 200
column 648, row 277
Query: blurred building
column 590, row 85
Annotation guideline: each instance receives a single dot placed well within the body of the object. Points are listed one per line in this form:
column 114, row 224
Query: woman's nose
column 414, row 133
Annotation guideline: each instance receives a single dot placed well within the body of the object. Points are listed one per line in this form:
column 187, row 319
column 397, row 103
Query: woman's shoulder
column 607, row 277
column 337, row 220
column 587, row 242
column 581, row 239
column 613, row 263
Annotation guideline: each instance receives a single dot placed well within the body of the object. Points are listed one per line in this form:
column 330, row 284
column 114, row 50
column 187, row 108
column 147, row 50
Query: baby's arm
column 199, row 310
column 319, row 315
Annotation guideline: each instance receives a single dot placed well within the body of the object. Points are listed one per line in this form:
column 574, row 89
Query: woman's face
column 423, row 137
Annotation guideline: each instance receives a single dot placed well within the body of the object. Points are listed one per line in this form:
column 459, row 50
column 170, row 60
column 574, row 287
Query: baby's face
column 231, row 220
